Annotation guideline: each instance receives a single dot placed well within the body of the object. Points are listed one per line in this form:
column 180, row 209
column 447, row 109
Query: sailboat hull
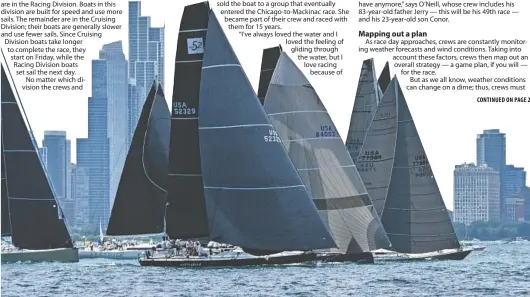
column 113, row 254
column 52, row 255
column 442, row 255
column 459, row 255
column 245, row 260
column 360, row 258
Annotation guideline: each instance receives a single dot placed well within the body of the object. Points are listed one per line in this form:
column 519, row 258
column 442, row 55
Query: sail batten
column 325, row 166
column 140, row 200
column 34, row 214
column 186, row 210
column 400, row 181
column 254, row 197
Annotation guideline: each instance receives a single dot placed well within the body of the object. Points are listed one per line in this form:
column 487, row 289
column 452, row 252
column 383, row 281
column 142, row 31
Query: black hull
column 360, row 258
column 459, row 255
column 232, row 262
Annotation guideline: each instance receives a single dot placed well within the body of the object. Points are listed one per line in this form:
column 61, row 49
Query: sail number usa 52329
column 272, row 137
column 181, row 108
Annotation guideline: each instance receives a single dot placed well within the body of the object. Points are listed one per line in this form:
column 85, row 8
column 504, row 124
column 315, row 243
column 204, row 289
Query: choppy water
column 500, row 270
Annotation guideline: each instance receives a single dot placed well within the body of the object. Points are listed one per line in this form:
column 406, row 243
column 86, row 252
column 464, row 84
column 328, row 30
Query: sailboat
column 252, row 196
column 396, row 171
column 324, row 164
column 140, row 200
column 185, row 212
column 31, row 215
column 369, row 93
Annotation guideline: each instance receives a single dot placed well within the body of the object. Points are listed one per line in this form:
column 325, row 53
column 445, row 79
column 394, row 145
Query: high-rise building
column 56, row 160
column 69, row 202
column 68, row 193
column 526, row 197
column 514, row 180
column 93, row 152
column 515, row 210
column 491, row 150
column 156, row 51
column 476, row 193
column 118, row 110
column 43, row 154
column 81, row 192
column 146, row 60
column 133, row 109
column 99, row 145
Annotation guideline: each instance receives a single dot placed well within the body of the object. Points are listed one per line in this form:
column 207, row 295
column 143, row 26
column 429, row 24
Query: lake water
column 500, row 270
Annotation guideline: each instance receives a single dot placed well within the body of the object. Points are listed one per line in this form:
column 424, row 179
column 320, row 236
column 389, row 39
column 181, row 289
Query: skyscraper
column 118, row 110
column 56, row 163
column 68, row 185
column 81, row 192
column 514, row 180
column 146, row 60
column 476, row 194
column 93, row 152
column 491, row 150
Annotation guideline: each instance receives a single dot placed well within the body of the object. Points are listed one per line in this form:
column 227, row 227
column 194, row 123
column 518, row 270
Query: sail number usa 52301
column 181, row 108
column 272, row 137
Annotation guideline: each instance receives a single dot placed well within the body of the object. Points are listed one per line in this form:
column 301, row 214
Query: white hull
column 449, row 254
column 52, row 255
column 113, row 254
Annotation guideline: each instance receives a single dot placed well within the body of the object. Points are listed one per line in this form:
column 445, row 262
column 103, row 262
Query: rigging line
column 34, row 142
column 145, row 139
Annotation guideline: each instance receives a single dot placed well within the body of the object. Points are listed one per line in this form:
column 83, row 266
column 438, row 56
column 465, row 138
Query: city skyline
column 491, row 190
column 447, row 122
column 467, row 189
